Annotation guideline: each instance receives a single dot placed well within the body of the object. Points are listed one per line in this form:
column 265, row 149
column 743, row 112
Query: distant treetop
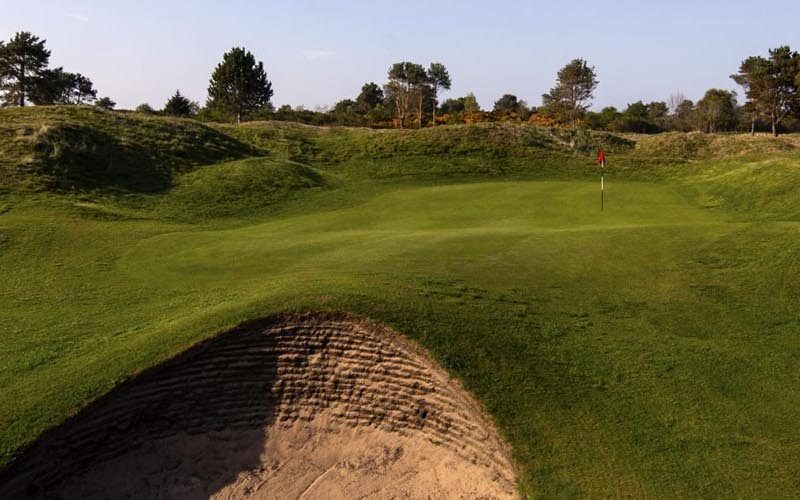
column 239, row 84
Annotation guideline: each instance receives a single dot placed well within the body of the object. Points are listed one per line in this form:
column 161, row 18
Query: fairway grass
column 647, row 351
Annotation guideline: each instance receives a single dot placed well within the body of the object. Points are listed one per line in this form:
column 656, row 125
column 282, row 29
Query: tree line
column 772, row 102
column 239, row 89
column 25, row 76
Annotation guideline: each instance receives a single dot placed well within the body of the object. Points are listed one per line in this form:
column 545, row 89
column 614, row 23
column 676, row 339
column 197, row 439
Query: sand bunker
column 296, row 406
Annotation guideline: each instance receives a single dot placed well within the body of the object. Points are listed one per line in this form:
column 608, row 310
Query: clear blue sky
column 317, row 53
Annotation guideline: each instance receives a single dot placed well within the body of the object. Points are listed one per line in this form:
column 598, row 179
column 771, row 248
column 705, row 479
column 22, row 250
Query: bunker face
column 301, row 406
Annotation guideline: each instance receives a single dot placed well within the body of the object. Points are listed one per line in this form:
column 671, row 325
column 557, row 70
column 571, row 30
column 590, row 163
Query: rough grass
column 695, row 145
column 80, row 148
column 488, row 140
column 762, row 188
column 648, row 351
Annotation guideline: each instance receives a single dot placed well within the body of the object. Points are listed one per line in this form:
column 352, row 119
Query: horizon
column 143, row 53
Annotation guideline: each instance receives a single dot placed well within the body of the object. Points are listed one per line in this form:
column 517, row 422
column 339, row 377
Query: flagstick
column 602, row 184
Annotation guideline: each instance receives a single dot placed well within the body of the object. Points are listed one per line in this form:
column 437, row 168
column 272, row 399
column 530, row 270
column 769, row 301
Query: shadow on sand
column 186, row 418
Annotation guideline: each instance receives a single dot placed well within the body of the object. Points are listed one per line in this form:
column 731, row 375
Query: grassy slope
column 648, row 351
column 88, row 148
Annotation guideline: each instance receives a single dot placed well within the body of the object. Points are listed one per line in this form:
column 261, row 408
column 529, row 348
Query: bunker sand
column 295, row 406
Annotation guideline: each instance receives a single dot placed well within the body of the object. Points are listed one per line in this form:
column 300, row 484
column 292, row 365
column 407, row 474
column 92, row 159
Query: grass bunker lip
column 276, row 408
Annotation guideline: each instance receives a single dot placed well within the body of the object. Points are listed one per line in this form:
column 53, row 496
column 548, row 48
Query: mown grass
column 647, row 351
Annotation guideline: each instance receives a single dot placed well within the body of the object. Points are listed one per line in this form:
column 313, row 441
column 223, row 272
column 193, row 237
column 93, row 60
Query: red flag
column 601, row 158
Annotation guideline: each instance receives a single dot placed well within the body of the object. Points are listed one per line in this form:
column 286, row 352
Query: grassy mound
column 240, row 188
column 696, row 145
column 83, row 148
column 87, row 149
column 758, row 189
column 492, row 140
column 458, row 151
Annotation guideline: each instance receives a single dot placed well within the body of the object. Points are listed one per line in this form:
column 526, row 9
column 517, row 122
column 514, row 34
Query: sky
column 317, row 53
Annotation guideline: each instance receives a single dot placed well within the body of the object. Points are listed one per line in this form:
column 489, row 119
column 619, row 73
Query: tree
column 145, row 109
column 405, row 81
column 370, row 97
column 657, row 112
column 637, row 118
column 453, row 106
column 573, row 92
column 238, row 84
column 771, row 85
column 605, row 119
column 679, row 113
column 420, row 87
column 52, row 87
column 524, row 111
column 716, row 111
column 344, row 107
column 25, row 77
column 682, row 118
column 685, row 109
column 23, row 59
column 423, row 91
column 57, row 86
column 81, row 90
column 471, row 104
column 508, row 103
column 753, row 77
column 178, row 105
column 374, row 105
column 105, row 103
column 749, row 114
column 345, row 112
column 439, row 78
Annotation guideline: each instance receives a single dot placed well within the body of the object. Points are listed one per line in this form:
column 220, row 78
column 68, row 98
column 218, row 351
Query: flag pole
column 602, row 184
column 601, row 159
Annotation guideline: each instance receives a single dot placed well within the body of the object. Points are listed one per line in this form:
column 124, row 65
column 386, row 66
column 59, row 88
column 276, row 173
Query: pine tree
column 23, row 60
column 105, row 103
column 568, row 100
column 771, row 85
column 82, row 90
column 178, row 105
column 439, row 78
column 57, row 86
column 239, row 85
column 508, row 103
column 371, row 96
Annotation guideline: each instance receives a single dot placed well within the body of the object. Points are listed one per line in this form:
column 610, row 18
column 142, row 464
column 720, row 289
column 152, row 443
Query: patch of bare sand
column 305, row 460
